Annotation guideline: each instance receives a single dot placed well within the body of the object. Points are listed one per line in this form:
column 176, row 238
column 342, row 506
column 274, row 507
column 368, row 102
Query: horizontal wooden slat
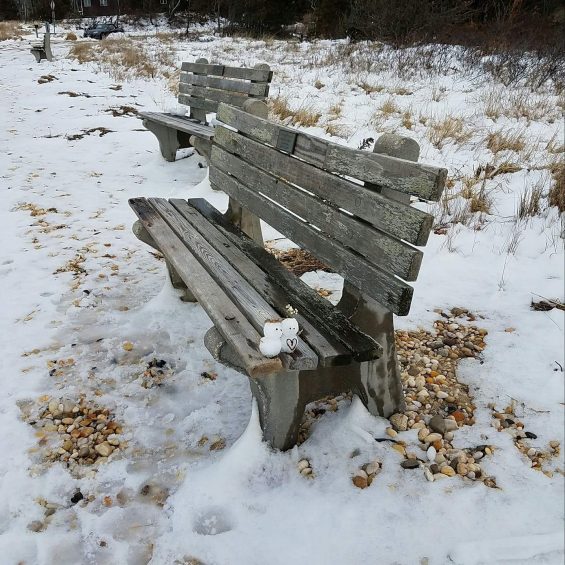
column 389, row 291
column 329, row 353
column 380, row 249
column 395, row 218
column 229, row 320
column 322, row 313
column 255, row 89
column 200, row 103
column 233, row 98
column 420, row 180
column 249, row 301
column 181, row 123
column 258, row 75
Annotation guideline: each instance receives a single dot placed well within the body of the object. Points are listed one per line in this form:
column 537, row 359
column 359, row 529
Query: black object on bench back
column 327, row 199
column 203, row 86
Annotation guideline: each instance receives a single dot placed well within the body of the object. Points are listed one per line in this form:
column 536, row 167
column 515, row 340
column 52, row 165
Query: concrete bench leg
column 377, row 382
column 167, row 138
column 141, row 233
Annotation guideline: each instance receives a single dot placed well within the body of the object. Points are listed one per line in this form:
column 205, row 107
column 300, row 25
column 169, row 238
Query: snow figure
column 289, row 339
column 270, row 345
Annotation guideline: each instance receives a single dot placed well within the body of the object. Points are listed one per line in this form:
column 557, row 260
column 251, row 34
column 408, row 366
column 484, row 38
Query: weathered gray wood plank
column 180, row 123
column 258, row 89
column 233, row 98
column 250, row 302
column 330, row 352
column 229, row 320
column 389, row 291
column 420, row 180
column 399, row 220
column 388, row 253
column 319, row 310
column 260, row 75
column 199, row 103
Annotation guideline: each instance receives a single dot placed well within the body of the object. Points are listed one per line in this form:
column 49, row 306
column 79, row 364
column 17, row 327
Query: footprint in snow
column 212, row 521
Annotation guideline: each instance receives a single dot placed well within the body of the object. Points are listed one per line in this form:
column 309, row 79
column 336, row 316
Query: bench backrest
column 327, row 199
column 203, row 86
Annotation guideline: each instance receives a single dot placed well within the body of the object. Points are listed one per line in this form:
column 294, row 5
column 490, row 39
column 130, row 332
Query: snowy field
column 86, row 308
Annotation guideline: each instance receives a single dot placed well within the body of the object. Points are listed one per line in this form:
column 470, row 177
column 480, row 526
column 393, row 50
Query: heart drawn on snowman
column 292, row 343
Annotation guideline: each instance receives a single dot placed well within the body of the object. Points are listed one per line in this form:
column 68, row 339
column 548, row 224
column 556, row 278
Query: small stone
column 531, row 452
column 410, row 464
column 434, row 468
column 35, row 526
column 303, row 464
column 360, row 481
column 554, row 444
column 77, row 497
column 428, row 474
column 104, row 449
column 437, row 424
column 458, row 415
column 431, row 453
column 400, row 448
column 423, row 433
column 462, row 469
column 391, row 432
column 399, row 422
column 373, row 468
column 531, row 435
column 430, row 438
column 447, row 470
column 306, row 471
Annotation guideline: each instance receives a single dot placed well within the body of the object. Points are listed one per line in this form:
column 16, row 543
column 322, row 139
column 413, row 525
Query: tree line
column 393, row 20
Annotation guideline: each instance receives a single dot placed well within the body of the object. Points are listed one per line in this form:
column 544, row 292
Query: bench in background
column 42, row 50
column 302, row 186
column 202, row 87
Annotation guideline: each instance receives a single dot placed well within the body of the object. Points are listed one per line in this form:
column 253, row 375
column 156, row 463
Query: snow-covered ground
column 80, row 290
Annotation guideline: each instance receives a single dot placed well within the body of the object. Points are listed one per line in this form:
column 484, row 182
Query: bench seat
column 251, row 284
column 185, row 124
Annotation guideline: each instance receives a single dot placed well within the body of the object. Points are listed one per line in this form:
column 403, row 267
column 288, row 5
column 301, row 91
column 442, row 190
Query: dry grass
column 10, row 30
column 336, row 110
column 388, row 107
column 449, row 128
column 530, row 201
column 304, row 116
column 501, row 140
column 556, row 194
column 518, row 104
column 83, row 52
column 407, row 119
column 369, row 88
column 400, row 91
column 125, row 58
column 71, row 36
column 337, row 130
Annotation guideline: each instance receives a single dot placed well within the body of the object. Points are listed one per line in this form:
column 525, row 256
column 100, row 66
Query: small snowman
column 289, row 339
column 270, row 345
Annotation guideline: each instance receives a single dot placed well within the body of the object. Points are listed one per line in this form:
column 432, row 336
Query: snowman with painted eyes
column 279, row 336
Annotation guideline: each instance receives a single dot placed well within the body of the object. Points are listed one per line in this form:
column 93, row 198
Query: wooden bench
column 42, row 50
column 342, row 204
column 202, row 87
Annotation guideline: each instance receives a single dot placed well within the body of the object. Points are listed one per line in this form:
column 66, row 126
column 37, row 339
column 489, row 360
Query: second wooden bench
column 202, row 87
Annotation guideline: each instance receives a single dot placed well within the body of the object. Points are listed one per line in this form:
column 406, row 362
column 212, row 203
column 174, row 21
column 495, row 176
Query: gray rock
column 36, row 526
column 410, row 464
column 437, row 424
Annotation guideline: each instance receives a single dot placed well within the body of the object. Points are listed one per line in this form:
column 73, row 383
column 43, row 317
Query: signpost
column 53, row 14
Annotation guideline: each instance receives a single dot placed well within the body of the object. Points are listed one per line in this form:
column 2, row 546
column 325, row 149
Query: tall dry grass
column 10, row 30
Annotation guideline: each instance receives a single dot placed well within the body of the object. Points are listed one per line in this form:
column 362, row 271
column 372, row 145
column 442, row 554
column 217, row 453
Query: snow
column 247, row 504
